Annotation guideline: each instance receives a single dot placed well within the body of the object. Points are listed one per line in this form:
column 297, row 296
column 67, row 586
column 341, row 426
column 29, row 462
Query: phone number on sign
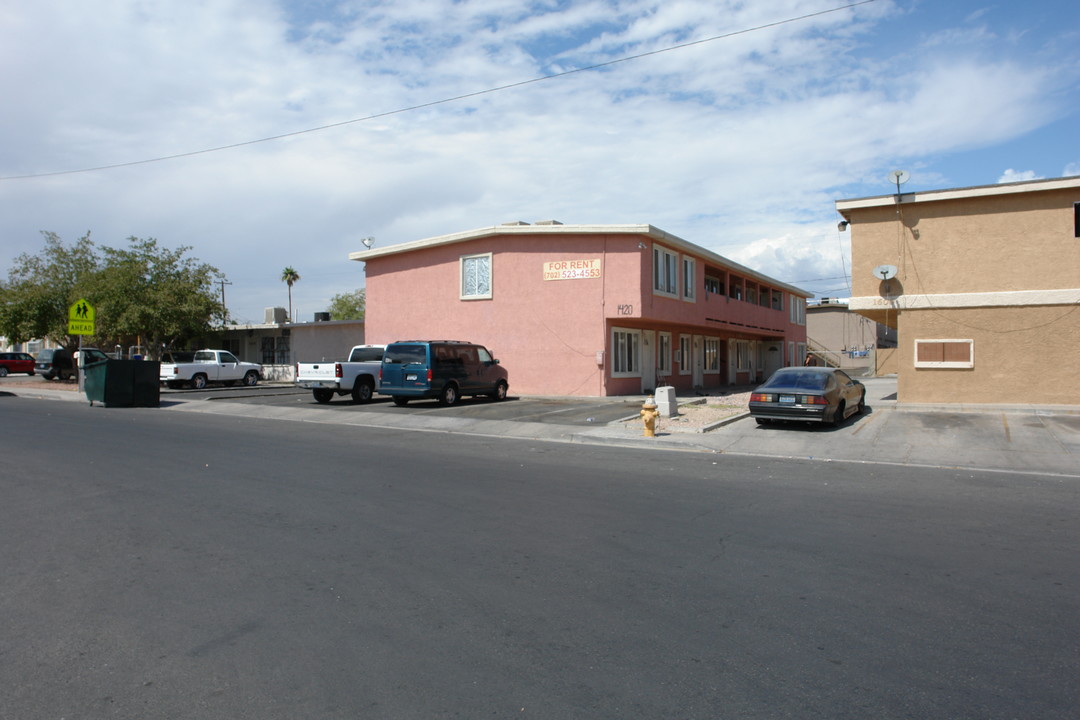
column 582, row 274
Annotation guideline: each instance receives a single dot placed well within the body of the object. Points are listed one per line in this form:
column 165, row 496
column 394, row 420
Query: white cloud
column 1011, row 175
column 740, row 145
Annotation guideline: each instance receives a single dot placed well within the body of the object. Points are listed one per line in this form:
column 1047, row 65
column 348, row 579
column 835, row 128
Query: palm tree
column 289, row 276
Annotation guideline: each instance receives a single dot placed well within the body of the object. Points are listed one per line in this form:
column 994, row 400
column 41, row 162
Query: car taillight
column 337, row 369
column 760, row 397
column 429, row 377
column 813, row 400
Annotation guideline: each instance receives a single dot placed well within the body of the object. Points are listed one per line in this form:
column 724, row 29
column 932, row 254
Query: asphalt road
column 186, row 565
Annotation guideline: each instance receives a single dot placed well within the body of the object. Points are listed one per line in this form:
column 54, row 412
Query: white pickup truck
column 358, row 376
column 210, row 366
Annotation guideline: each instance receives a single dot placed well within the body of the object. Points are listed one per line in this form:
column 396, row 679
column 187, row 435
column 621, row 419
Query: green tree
column 290, row 276
column 348, row 306
column 143, row 291
column 156, row 294
column 34, row 300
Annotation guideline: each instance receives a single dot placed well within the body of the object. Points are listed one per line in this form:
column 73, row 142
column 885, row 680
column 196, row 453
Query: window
column 1076, row 220
column 626, row 353
column 274, row 351
column 777, row 300
column 713, row 285
column 712, row 355
column 663, row 354
column 742, row 355
column 689, row 275
column 685, row 357
column 476, row 277
column 665, row 272
column 958, row 354
column 763, row 297
column 736, row 288
column 797, row 307
column 751, row 294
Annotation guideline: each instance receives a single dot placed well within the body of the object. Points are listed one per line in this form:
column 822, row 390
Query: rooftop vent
column 515, row 222
column 548, row 222
column 275, row 315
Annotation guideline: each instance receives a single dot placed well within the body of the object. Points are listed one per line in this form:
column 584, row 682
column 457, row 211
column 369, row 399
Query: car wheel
column 3, row 371
column 199, row 381
column 251, row 378
column 839, row 416
column 862, row 405
column 500, row 391
column 322, row 395
column 449, row 395
column 362, row 391
column 401, row 401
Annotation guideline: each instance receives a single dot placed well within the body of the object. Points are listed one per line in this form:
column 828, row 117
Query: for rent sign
column 572, row 269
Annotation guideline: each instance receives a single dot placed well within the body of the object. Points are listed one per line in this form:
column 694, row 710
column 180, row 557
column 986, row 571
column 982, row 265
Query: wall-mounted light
column 842, row 225
column 642, row 246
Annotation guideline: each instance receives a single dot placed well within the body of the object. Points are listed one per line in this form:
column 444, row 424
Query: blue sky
column 740, row 144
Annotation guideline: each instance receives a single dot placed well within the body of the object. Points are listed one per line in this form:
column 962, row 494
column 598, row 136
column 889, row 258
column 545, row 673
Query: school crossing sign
column 81, row 318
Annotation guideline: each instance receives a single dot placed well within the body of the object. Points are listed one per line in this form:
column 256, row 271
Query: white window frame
column 712, row 344
column 625, row 340
column 689, row 278
column 665, row 272
column 462, row 263
column 663, row 354
column 797, row 306
column 686, row 355
column 961, row 365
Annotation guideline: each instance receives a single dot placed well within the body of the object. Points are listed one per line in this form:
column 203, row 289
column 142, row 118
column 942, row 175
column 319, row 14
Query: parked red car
column 13, row 362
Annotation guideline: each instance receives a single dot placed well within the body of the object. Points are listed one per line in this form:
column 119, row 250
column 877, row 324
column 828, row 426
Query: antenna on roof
column 368, row 242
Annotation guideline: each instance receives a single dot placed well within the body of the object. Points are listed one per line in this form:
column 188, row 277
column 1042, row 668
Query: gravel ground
column 698, row 413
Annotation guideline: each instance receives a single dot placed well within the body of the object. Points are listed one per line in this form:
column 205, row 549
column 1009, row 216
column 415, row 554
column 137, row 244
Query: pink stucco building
column 588, row 309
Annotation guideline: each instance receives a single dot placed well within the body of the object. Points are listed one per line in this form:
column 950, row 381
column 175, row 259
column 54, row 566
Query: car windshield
column 798, row 379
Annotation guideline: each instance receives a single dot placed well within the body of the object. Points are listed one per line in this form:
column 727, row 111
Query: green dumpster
column 123, row 383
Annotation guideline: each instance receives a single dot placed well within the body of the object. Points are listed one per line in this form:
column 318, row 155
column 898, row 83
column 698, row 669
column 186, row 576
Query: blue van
column 443, row 369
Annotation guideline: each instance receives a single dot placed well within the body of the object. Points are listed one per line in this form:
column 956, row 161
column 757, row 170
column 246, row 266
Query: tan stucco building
column 982, row 285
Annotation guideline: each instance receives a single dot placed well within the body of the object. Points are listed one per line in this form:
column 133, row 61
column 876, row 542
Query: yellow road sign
column 81, row 318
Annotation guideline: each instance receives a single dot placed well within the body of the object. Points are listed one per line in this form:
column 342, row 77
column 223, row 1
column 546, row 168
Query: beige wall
column 1015, row 359
column 886, row 361
column 999, row 266
column 973, row 245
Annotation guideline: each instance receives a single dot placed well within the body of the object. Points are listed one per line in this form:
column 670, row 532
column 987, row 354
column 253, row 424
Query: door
column 774, row 358
column 648, row 361
column 699, row 361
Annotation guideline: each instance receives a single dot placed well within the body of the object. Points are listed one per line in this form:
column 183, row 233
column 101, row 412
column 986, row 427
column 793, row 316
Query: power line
column 444, row 101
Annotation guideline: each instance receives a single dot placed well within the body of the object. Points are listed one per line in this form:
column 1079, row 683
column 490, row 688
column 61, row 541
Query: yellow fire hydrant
column 649, row 416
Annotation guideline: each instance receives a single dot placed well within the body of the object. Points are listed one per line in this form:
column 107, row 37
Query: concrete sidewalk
column 1014, row 439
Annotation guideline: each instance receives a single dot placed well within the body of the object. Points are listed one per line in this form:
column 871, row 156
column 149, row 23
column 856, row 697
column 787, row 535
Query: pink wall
column 547, row 333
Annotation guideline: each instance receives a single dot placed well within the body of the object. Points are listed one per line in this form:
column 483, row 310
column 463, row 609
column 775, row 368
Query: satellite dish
column 899, row 177
column 885, row 272
column 368, row 242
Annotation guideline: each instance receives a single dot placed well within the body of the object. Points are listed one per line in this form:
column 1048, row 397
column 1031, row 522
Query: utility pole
column 224, row 311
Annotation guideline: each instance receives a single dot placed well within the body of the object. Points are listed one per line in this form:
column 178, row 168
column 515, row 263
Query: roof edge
column 1022, row 186
column 627, row 229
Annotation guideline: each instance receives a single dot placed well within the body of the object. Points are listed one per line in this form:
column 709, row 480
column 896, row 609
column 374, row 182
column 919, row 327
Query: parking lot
column 560, row 411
